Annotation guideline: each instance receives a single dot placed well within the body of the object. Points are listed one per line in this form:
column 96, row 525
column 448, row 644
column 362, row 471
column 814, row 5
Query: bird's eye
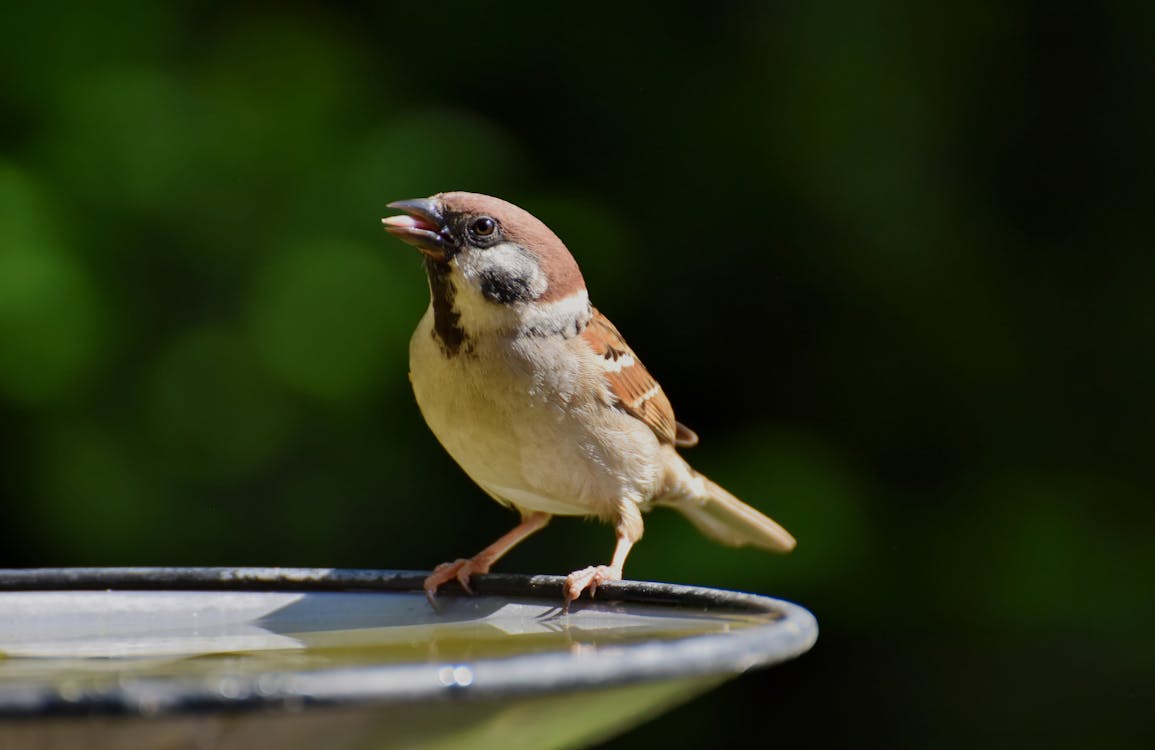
column 483, row 227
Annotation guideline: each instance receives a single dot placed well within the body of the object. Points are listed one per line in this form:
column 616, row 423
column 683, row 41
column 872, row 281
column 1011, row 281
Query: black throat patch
column 446, row 320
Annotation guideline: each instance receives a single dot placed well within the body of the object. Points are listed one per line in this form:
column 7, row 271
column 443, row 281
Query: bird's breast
column 521, row 420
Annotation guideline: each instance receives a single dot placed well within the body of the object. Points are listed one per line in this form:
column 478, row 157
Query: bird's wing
column 634, row 389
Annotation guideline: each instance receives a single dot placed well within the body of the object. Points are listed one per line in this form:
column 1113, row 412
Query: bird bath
column 308, row 658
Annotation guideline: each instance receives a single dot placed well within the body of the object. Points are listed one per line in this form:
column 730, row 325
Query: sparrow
column 536, row 395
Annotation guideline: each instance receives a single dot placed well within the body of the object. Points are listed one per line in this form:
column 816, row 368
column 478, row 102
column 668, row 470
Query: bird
column 538, row 398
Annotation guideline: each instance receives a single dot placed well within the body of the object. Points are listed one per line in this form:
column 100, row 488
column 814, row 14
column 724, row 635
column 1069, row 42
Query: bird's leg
column 480, row 563
column 629, row 530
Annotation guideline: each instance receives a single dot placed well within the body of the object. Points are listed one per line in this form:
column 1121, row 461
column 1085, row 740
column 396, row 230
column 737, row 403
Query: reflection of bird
column 535, row 394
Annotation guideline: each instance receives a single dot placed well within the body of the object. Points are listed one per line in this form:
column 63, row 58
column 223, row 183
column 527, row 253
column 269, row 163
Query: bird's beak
column 422, row 226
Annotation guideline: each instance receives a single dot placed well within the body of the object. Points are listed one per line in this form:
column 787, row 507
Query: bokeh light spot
column 332, row 319
column 52, row 332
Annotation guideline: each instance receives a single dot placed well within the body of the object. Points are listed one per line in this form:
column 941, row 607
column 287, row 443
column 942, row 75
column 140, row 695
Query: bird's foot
column 458, row 569
column 589, row 578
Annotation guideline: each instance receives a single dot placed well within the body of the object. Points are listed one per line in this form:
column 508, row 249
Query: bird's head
column 495, row 261
column 502, row 250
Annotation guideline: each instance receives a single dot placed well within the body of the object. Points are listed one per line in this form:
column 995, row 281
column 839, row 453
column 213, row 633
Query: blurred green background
column 894, row 264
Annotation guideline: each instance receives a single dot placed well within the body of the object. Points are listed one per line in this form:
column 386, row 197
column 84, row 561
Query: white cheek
column 511, row 259
column 477, row 313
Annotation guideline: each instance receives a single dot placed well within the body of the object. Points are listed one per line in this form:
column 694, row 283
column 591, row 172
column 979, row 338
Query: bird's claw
column 461, row 570
column 588, row 578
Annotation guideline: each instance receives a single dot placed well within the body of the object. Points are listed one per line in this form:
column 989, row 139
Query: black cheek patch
column 501, row 286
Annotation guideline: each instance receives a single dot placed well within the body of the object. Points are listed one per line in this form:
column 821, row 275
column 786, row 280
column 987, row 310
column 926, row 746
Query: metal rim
column 789, row 631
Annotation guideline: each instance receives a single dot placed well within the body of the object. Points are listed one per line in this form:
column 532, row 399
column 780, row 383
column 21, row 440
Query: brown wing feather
column 635, row 390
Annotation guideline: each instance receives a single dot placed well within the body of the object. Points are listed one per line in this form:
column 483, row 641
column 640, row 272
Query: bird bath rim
column 782, row 631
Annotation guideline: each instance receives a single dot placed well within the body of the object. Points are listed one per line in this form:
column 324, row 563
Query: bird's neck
column 461, row 314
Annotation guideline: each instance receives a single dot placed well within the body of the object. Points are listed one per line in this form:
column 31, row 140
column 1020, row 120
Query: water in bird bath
column 98, row 635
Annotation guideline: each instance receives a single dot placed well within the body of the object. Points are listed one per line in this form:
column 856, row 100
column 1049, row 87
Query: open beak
column 422, row 226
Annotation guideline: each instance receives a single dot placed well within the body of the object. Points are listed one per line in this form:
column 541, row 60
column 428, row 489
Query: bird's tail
column 724, row 518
